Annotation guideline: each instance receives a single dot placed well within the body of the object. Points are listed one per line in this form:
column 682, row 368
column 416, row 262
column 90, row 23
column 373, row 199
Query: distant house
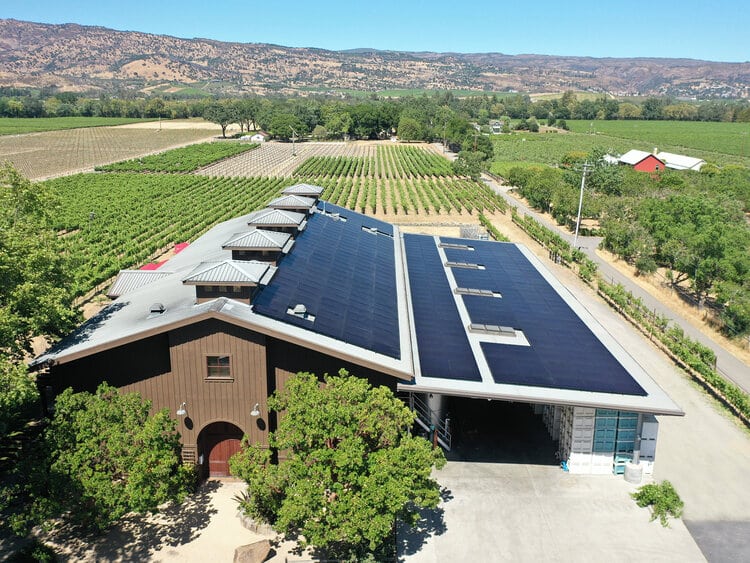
column 497, row 127
column 642, row 161
column 260, row 137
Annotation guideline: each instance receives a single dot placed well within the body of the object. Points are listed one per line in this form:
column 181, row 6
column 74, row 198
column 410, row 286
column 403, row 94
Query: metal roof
column 257, row 239
column 388, row 302
column 291, row 202
column 634, row 156
column 303, row 190
column 129, row 280
column 230, row 272
column 275, row 218
column 680, row 162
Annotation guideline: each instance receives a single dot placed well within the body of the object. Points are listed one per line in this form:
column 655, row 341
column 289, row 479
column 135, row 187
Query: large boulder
column 253, row 552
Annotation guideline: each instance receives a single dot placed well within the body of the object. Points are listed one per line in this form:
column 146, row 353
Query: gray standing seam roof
column 303, row 190
column 257, row 239
column 292, row 202
column 129, row 280
column 275, row 217
column 229, row 272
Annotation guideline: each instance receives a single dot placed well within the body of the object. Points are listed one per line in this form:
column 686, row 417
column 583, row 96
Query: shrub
column 663, row 500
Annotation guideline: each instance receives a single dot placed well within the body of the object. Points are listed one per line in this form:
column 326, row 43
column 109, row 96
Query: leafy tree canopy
column 101, row 457
column 35, row 298
column 348, row 465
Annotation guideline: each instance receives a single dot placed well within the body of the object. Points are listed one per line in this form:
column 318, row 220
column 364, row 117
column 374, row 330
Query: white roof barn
column 633, row 157
column 680, row 162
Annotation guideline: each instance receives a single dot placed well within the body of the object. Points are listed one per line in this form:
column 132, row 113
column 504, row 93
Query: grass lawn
column 716, row 137
column 719, row 143
column 17, row 125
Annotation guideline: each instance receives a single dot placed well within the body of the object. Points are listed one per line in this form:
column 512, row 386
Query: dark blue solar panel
column 356, row 218
column 444, row 349
column 345, row 277
column 563, row 354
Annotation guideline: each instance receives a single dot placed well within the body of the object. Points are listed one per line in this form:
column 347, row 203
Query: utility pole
column 586, row 168
column 294, row 136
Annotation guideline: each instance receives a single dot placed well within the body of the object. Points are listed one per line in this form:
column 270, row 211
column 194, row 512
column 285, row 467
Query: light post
column 586, row 168
column 294, row 134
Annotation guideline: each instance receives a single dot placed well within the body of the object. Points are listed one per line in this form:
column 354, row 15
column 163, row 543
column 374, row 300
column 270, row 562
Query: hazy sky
column 717, row 31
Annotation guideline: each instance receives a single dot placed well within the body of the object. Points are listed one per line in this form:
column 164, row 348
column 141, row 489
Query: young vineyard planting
column 184, row 159
column 119, row 220
column 397, row 180
column 116, row 221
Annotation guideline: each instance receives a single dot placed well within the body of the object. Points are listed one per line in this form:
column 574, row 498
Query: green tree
column 319, row 133
column 35, row 292
column 108, row 456
column 349, row 466
column 221, row 113
column 409, row 129
column 628, row 111
column 469, row 163
column 283, row 125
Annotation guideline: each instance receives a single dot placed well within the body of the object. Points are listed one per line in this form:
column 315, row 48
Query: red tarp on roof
column 152, row 265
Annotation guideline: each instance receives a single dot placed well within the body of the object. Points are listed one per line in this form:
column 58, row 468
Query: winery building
column 449, row 324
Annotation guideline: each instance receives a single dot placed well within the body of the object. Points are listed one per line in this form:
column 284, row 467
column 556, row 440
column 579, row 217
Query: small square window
column 218, row 366
column 237, row 289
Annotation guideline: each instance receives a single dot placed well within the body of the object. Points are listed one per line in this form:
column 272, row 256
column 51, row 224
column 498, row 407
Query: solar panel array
column 345, row 277
column 564, row 353
column 444, row 350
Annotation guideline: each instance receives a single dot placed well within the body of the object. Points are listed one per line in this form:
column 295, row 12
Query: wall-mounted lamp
column 255, row 411
column 182, row 411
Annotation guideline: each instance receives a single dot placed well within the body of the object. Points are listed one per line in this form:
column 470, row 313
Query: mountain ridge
column 72, row 56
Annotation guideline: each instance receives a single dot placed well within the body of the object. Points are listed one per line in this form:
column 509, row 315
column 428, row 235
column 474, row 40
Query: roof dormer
column 278, row 220
column 294, row 203
column 234, row 279
column 259, row 244
column 304, row 190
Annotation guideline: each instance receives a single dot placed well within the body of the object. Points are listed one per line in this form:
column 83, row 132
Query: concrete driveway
column 515, row 512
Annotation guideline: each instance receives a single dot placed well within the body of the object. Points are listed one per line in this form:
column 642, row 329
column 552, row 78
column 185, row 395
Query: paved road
column 727, row 364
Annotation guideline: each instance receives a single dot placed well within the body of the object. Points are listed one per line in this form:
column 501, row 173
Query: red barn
column 642, row 161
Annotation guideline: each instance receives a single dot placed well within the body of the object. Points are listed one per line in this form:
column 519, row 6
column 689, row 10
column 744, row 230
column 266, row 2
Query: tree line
column 47, row 102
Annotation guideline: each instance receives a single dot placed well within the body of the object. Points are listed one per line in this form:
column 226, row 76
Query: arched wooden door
column 218, row 442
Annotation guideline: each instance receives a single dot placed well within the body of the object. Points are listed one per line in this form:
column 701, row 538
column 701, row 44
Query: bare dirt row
column 45, row 155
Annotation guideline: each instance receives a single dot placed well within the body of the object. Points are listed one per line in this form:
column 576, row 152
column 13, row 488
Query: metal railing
column 439, row 430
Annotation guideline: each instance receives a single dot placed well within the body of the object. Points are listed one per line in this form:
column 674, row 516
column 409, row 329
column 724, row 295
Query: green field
column 549, row 148
column 718, row 143
column 708, row 137
column 184, row 159
column 115, row 221
column 18, row 125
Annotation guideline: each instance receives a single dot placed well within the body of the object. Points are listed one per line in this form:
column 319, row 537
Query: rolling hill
column 86, row 58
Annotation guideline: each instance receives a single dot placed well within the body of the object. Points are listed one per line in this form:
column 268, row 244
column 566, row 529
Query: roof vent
column 300, row 311
column 157, row 309
column 495, row 330
column 466, row 265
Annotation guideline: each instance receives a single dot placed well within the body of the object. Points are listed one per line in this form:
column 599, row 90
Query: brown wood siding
column 170, row 368
column 134, row 363
column 219, row 400
column 286, row 359
column 211, row 292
